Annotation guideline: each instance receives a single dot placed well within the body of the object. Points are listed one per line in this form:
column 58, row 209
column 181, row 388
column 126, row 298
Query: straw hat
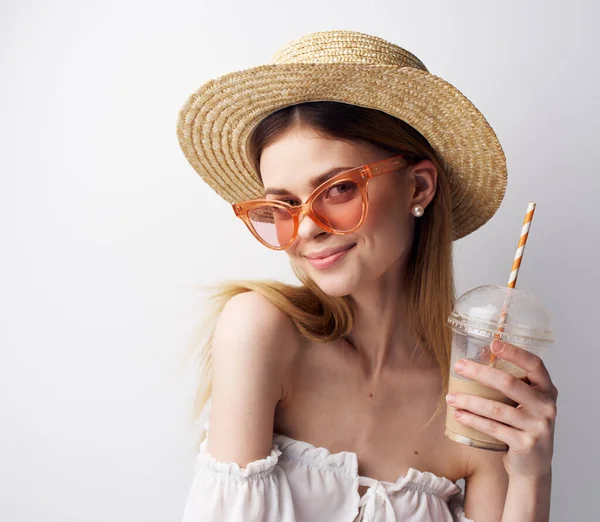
column 355, row 68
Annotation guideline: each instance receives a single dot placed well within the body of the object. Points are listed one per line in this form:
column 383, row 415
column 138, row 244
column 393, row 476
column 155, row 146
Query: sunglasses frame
column 359, row 175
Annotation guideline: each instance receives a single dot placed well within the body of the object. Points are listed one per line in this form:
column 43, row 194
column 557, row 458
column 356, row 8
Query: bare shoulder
column 253, row 349
column 255, row 311
column 486, row 484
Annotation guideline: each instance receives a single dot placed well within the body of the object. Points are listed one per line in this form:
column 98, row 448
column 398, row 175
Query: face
column 343, row 264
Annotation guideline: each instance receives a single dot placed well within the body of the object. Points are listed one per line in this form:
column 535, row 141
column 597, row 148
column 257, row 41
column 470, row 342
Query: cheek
column 387, row 226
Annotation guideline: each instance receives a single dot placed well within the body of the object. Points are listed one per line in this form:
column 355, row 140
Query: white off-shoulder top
column 299, row 482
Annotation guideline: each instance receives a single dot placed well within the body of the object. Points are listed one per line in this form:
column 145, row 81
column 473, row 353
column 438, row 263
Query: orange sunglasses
column 338, row 206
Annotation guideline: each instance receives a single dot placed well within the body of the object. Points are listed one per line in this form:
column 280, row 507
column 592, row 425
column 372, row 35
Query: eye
column 290, row 201
column 342, row 188
column 341, row 192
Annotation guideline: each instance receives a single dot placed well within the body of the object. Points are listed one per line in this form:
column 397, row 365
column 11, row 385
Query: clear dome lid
column 479, row 312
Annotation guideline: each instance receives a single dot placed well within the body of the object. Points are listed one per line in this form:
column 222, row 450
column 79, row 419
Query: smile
column 327, row 258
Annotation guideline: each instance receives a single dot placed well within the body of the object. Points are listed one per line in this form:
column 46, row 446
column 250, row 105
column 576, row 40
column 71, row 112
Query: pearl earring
column 418, row 211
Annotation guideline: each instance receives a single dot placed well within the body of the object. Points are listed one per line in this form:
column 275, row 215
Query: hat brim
column 216, row 121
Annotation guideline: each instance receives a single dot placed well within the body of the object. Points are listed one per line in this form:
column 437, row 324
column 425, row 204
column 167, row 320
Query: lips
column 329, row 252
column 329, row 256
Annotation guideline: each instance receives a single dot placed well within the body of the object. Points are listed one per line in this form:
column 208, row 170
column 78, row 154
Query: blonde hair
column 323, row 318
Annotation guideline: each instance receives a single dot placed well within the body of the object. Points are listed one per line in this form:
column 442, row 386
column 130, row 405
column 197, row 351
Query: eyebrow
column 314, row 181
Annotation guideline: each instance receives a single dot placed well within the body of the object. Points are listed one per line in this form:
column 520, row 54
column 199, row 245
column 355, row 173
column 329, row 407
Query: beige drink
column 480, row 316
column 466, row 435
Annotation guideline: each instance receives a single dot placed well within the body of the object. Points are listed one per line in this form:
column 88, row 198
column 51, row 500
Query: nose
column 308, row 228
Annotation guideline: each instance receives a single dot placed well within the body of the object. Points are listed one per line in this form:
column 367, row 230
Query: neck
column 381, row 333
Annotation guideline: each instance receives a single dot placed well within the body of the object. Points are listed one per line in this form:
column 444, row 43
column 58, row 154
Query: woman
column 327, row 400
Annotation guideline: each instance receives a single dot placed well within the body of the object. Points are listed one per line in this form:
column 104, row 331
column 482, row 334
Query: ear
column 424, row 183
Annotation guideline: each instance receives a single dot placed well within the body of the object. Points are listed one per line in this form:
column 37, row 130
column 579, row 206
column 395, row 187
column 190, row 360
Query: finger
column 537, row 372
column 508, row 384
column 488, row 408
column 502, row 432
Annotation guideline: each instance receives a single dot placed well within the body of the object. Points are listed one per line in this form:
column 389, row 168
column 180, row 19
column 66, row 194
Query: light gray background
column 106, row 229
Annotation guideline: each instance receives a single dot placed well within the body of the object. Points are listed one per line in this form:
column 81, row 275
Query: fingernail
column 459, row 366
column 450, row 398
column 457, row 413
column 497, row 346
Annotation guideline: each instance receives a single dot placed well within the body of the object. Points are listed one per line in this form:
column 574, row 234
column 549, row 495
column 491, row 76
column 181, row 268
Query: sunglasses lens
column 340, row 206
column 275, row 225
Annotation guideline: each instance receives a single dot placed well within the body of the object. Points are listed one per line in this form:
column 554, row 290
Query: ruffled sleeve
column 225, row 492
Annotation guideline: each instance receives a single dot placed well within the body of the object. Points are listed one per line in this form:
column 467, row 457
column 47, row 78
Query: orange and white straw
column 512, row 280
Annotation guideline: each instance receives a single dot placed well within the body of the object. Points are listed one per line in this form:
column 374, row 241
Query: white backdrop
column 106, row 229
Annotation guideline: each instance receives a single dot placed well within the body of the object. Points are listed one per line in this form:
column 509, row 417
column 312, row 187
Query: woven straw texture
column 344, row 66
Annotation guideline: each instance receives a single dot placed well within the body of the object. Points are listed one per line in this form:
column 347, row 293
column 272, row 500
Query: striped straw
column 512, row 280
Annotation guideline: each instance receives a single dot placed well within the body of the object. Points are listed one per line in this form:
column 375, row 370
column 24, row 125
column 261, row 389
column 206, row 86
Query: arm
column 253, row 349
column 486, row 486
column 528, row 499
column 237, row 477
column 491, row 496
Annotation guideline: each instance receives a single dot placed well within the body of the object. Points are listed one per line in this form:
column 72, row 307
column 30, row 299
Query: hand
column 528, row 429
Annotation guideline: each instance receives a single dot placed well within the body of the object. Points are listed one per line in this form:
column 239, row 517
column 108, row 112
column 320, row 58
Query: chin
column 336, row 283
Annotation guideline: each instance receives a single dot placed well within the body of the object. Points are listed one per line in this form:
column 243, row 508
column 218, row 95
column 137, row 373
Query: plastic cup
column 481, row 315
